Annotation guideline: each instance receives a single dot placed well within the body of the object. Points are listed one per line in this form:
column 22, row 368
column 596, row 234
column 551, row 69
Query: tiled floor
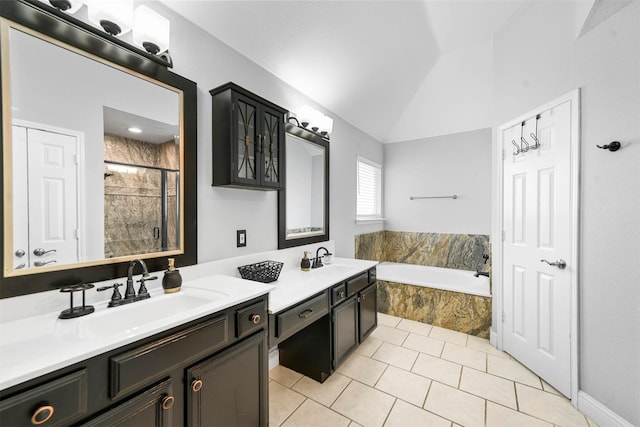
column 412, row 374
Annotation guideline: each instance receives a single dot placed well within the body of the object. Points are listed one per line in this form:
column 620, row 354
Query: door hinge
column 503, row 155
column 503, row 316
column 76, row 159
column 76, row 232
column 502, row 235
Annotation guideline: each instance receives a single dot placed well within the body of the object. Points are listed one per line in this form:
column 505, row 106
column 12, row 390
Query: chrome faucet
column 317, row 261
column 481, row 273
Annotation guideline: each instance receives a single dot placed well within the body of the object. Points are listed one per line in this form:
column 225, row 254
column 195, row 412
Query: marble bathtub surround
column 470, row 314
column 457, row 251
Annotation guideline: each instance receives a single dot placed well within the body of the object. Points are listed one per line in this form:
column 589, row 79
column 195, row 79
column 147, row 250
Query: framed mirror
column 303, row 207
column 98, row 155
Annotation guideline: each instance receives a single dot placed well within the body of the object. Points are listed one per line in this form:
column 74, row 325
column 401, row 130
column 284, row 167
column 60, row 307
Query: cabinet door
column 230, row 389
column 271, row 147
column 367, row 311
column 345, row 330
column 152, row 408
column 245, row 144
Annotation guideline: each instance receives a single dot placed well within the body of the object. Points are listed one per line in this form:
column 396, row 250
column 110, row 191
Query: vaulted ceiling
column 398, row 70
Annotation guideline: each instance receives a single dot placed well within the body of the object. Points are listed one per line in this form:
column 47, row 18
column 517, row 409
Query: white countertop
column 296, row 285
column 36, row 345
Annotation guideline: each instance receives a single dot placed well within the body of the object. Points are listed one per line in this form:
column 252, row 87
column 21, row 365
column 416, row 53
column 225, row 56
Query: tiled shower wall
column 132, row 202
column 461, row 312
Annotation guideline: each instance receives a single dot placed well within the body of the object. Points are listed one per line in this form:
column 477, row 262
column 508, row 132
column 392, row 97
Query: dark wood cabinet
column 367, row 312
column 149, row 382
column 345, row 329
column 223, row 391
column 248, row 139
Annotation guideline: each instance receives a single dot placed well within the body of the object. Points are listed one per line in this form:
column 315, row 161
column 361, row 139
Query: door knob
column 196, row 385
column 40, row 251
column 20, row 253
column 42, row 263
column 561, row 264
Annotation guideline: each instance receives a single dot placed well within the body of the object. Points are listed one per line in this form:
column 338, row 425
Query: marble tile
column 282, row 403
column 513, row 370
column 391, row 335
column 549, row 407
column 406, row 415
column 326, row 392
column 437, row 369
column 368, row 346
column 364, row 405
column 396, row 355
column 370, row 246
column 548, row 388
column 414, row 327
column 312, row 414
column 363, row 369
column 388, row 320
column 423, row 344
column 465, row 356
column 453, row 404
column 449, row 336
column 404, row 385
column 500, row 416
column 483, row 344
column 489, row 387
column 284, row 375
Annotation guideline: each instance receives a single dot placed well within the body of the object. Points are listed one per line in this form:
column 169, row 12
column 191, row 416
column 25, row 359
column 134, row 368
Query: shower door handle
column 561, row 264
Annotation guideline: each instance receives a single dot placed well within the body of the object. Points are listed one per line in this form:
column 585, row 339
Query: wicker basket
column 265, row 271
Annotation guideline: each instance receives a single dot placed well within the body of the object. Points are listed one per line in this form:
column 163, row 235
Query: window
column 369, row 191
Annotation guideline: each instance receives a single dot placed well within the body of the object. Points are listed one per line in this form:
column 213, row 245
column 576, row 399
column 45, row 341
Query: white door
column 52, row 202
column 20, row 199
column 538, row 225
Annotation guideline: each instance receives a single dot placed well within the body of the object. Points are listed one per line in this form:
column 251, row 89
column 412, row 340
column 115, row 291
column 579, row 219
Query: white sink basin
column 127, row 319
column 332, row 269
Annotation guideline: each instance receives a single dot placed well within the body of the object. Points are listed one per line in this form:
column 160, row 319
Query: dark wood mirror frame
column 49, row 21
column 283, row 242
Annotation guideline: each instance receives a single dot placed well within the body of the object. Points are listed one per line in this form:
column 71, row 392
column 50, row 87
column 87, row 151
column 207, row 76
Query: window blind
column 369, row 191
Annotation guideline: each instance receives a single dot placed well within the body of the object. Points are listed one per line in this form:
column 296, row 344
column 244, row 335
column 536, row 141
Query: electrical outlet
column 241, row 238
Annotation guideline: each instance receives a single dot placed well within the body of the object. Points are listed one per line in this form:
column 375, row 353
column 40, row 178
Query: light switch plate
column 241, row 238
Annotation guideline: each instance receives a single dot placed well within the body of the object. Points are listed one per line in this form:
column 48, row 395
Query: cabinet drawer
column 251, row 319
column 55, row 403
column 136, row 368
column 303, row 314
column 357, row 283
column 338, row 294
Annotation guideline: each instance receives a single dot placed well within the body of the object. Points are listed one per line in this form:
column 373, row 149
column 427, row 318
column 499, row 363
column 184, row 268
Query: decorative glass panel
column 246, row 162
column 271, row 147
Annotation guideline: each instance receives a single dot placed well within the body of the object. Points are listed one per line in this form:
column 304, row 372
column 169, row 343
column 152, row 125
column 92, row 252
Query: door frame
column 80, row 196
column 497, row 233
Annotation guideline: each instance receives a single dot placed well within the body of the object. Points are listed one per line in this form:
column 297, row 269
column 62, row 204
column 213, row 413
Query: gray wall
column 536, row 59
column 210, row 63
column 443, row 165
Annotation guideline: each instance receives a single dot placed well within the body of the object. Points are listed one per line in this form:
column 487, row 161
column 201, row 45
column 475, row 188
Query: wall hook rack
column 612, row 146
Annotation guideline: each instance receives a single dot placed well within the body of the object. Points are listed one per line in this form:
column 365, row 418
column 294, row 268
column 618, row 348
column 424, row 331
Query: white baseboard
column 274, row 358
column 599, row 413
column 493, row 338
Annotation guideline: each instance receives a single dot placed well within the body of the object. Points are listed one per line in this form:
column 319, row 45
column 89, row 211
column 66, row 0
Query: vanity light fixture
column 150, row 30
column 134, row 130
column 314, row 121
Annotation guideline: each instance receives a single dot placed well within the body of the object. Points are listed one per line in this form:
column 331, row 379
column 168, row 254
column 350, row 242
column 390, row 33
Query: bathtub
column 447, row 279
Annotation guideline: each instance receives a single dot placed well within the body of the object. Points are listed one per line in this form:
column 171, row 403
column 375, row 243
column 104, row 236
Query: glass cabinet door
column 246, row 150
column 271, row 147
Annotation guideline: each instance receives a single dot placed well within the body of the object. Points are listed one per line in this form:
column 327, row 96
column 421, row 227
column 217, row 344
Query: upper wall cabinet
column 248, row 140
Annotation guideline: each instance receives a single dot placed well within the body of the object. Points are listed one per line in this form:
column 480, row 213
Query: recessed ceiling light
column 134, row 130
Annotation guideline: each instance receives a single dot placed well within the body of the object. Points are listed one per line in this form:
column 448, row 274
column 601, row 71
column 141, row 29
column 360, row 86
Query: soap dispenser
column 305, row 264
column 172, row 281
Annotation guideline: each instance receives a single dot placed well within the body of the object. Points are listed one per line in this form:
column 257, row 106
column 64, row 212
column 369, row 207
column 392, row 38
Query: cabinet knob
column 167, row 402
column 196, row 385
column 42, row 415
column 341, row 294
column 255, row 318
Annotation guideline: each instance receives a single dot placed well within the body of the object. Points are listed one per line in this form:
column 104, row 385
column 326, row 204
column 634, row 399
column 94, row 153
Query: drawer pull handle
column 255, row 319
column 341, row 294
column 167, row 402
column 304, row 314
column 196, row 385
column 42, row 415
